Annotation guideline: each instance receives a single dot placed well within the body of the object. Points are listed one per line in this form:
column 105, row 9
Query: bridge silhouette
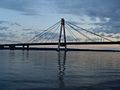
column 63, row 33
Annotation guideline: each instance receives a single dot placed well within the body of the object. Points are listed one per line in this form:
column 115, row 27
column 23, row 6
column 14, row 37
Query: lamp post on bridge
column 62, row 29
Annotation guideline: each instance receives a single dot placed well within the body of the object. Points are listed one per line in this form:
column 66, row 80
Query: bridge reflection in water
column 61, row 65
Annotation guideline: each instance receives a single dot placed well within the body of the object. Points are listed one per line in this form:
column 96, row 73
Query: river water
column 52, row 70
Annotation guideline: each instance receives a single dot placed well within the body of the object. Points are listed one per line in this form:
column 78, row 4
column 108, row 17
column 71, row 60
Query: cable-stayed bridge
column 63, row 33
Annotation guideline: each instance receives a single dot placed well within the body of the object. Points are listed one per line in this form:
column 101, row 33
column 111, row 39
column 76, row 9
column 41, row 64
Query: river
column 52, row 70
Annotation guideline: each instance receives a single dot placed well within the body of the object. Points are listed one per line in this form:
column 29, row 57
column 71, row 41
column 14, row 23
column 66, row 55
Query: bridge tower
column 62, row 30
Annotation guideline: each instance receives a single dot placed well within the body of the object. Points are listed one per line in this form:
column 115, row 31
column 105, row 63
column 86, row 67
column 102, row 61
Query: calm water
column 46, row 70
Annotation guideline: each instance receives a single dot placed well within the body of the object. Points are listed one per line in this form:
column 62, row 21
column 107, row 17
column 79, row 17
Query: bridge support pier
column 62, row 29
column 12, row 47
column 27, row 47
column 1, row 47
column 23, row 47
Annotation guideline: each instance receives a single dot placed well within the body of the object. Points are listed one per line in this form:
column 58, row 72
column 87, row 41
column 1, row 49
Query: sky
column 20, row 20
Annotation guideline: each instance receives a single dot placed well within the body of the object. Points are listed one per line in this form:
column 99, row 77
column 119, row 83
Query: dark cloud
column 93, row 8
column 24, row 6
column 4, row 28
column 102, row 9
column 27, row 7
column 3, row 22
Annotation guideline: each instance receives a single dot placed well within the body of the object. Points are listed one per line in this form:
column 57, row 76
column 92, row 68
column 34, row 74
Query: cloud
column 111, row 28
column 103, row 14
column 93, row 8
column 15, row 23
column 24, row 6
column 10, row 31
column 107, row 27
column 28, row 7
column 9, row 23
column 3, row 22
column 5, row 40
column 27, row 29
column 3, row 28
column 6, row 35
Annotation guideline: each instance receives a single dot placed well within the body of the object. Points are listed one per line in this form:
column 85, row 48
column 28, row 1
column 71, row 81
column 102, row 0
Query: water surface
column 59, row 70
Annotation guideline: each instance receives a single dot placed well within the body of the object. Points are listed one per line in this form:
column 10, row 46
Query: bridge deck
column 56, row 43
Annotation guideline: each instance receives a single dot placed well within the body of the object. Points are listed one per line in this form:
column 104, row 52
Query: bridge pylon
column 62, row 30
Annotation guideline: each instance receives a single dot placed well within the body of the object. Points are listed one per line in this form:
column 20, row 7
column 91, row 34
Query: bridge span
column 64, row 33
column 27, row 45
